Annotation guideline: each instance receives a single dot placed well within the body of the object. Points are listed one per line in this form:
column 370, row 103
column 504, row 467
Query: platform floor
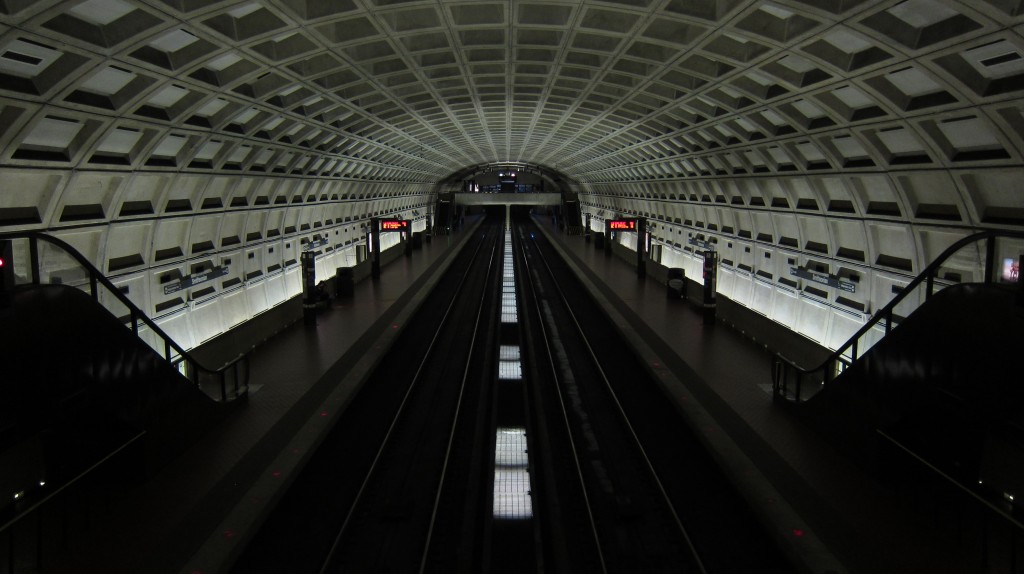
column 194, row 516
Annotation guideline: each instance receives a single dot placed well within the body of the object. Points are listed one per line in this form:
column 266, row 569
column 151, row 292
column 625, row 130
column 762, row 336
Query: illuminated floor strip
column 509, row 366
column 508, row 285
column 511, row 475
column 511, row 462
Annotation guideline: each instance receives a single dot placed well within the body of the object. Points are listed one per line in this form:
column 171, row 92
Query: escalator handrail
column 136, row 313
column 886, row 312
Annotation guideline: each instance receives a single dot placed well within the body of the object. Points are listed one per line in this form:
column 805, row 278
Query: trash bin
column 343, row 282
column 676, row 283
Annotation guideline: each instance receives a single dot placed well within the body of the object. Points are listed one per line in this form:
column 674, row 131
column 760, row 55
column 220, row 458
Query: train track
column 509, row 430
column 396, row 512
column 630, row 520
column 370, row 499
column 638, row 493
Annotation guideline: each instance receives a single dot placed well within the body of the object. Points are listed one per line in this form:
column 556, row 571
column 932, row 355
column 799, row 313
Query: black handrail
column 237, row 368
column 782, row 367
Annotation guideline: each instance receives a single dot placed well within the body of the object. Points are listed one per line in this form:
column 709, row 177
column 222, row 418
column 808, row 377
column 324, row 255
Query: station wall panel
column 128, row 247
column 813, row 320
column 256, row 293
column 234, row 308
column 178, row 328
column 785, row 307
column 761, row 297
column 206, row 320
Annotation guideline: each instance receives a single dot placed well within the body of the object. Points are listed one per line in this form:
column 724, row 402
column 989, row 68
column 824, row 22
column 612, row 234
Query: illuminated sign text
column 394, row 225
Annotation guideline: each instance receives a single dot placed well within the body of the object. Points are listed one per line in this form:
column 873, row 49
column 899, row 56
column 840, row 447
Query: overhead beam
column 508, row 198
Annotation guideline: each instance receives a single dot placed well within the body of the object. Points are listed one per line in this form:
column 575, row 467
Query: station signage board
column 394, row 225
column 189, row 281
column 315, row 244
column 705, row 245
column 622, row 224
column 826, row 279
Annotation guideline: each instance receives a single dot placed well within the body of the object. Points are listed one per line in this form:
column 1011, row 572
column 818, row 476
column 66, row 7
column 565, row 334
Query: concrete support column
column 641, row 247
column 307, row 262
column 710, row 286
column 375, row 246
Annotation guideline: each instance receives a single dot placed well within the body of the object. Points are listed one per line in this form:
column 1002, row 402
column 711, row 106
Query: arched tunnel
column 195, row 153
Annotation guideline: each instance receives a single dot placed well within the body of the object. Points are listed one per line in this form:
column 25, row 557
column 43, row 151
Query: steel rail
column 398, row 415
column 562, row 406
column 458, row 409
column 622, row 413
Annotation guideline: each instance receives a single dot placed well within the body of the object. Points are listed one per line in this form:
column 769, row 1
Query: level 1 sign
column 824, row 279
column 622, row 224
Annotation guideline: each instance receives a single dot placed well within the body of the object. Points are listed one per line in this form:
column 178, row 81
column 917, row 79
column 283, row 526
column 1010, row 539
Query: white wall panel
column 137, row 285
column 257, row 297
column 761, row 297
column 177, row 327
column 234, row 308
column 293, row 282
column 91, row 243
column 726, row 281
column 842, row 327
column 742, row 288
column 785, row 307
column 813, row 319
column 276, row 290
column 206, row 320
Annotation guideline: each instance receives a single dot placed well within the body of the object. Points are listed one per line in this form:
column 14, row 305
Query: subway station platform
column 197, row 513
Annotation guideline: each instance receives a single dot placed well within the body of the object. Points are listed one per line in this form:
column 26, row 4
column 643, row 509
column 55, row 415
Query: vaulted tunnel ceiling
column 164, row 136
column 602, row 91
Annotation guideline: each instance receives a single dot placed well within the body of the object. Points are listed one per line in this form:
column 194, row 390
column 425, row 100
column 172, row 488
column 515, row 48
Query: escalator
column 945, row 384
column 942, row 386
column 80, row 382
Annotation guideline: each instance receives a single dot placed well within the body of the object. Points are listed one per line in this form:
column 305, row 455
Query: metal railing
column 52, row 261
column 793, row 382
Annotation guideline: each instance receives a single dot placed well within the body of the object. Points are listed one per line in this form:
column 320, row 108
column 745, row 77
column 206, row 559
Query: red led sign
column 394, row 225
column 622, row 225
